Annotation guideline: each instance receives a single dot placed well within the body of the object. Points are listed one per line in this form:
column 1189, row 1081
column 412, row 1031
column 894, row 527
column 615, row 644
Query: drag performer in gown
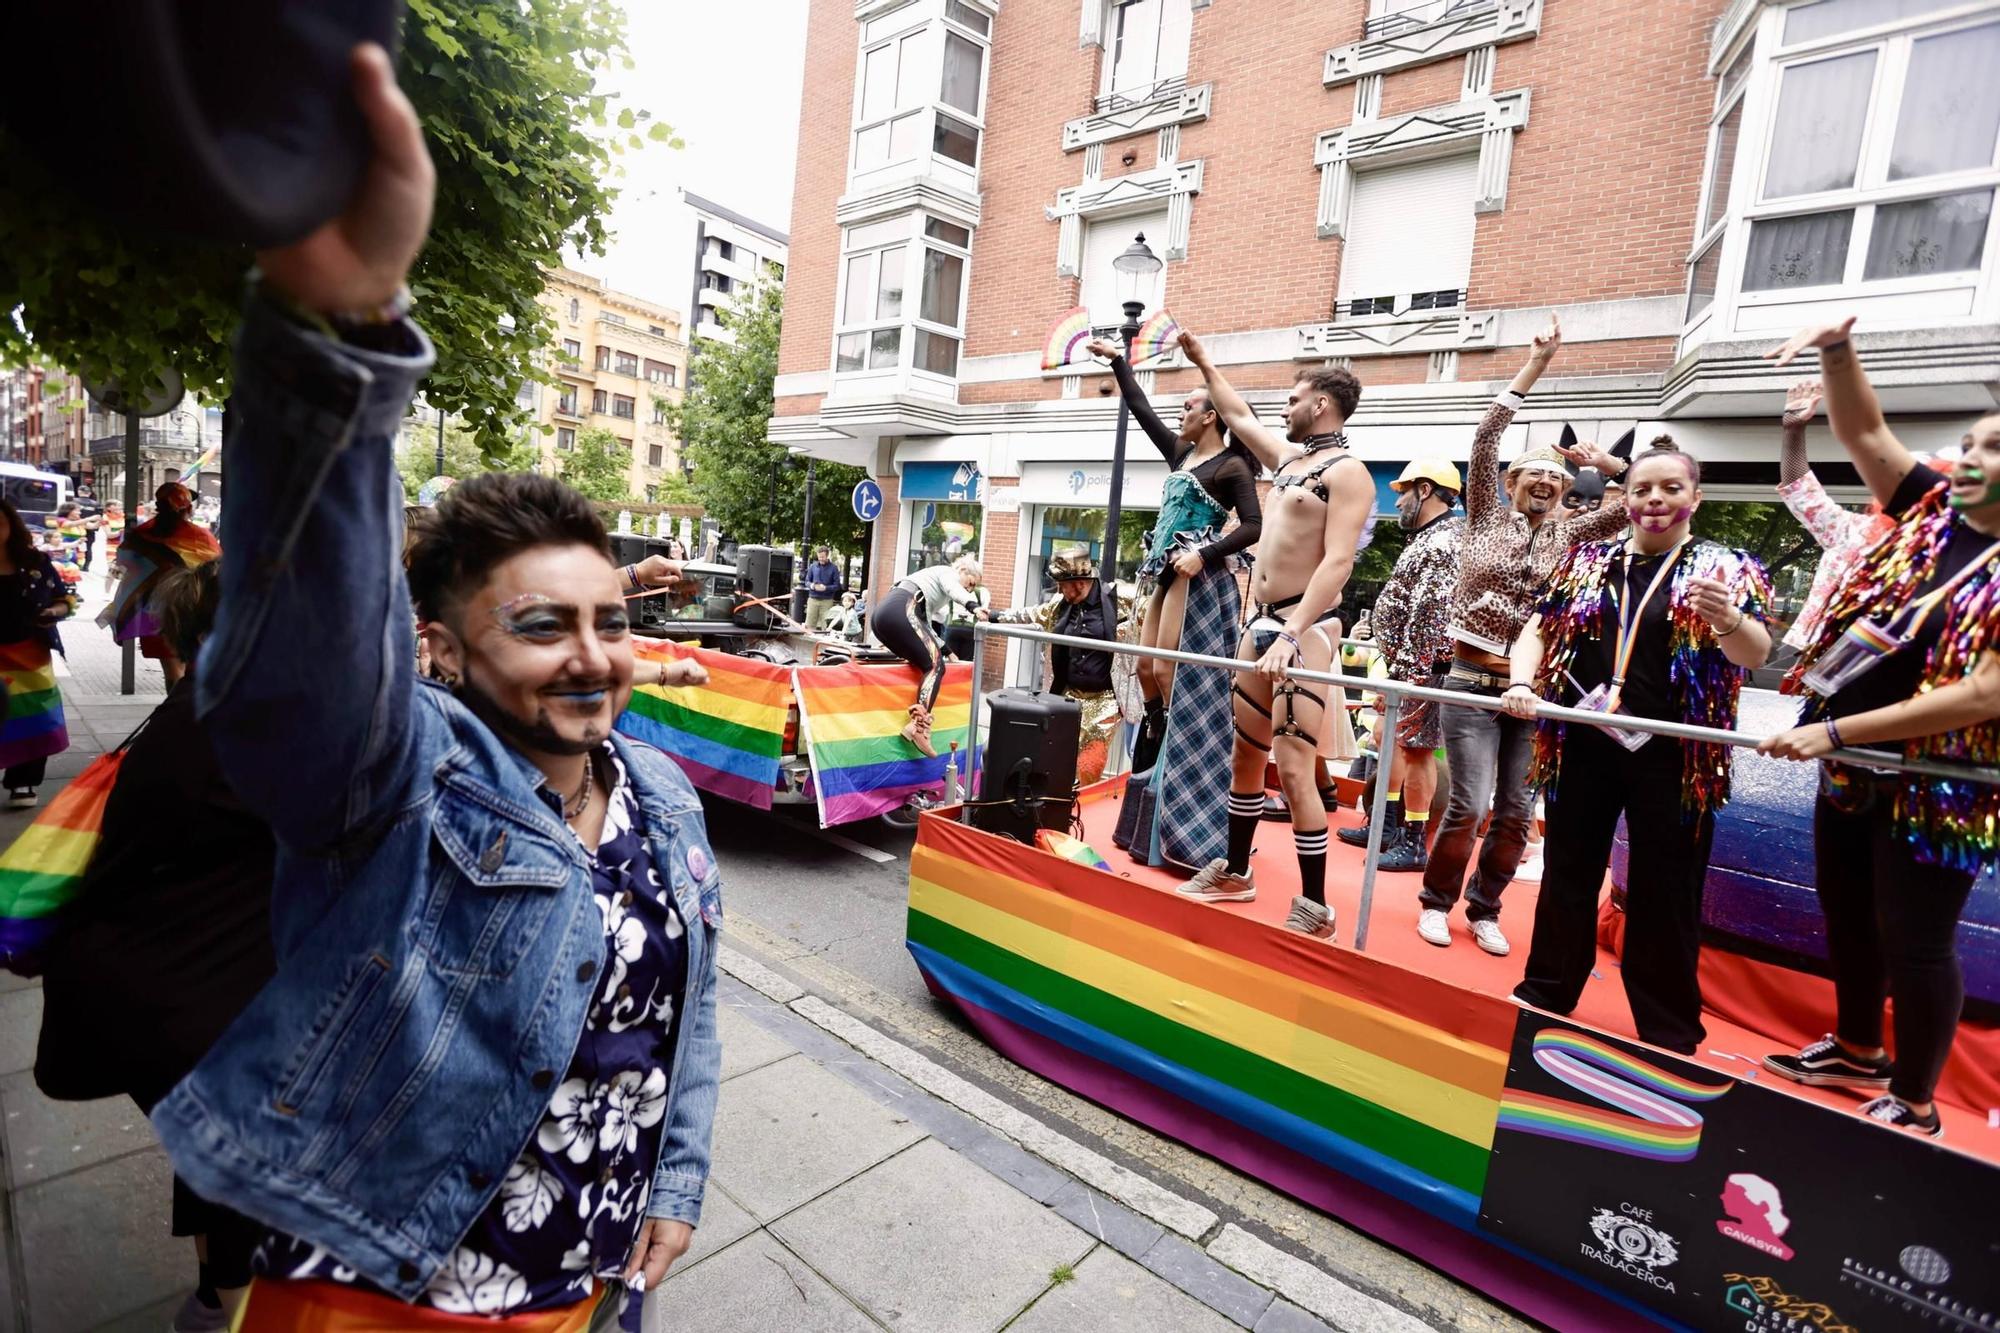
column 1176, row 815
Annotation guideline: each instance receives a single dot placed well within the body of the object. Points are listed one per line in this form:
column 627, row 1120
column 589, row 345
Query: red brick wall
column 826, row 111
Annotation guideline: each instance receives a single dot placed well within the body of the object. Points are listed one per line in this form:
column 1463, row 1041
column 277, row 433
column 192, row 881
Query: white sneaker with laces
column 1435, row 927
column 1530, row 871
column 1486, row 934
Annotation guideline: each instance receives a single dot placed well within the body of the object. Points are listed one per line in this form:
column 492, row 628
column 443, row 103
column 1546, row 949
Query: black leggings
column 905, row 630
column 1891, row 931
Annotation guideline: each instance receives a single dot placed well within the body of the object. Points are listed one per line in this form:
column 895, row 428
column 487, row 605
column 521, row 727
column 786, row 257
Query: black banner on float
column 1724, row 1204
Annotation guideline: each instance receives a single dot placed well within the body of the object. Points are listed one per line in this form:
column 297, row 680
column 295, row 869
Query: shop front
column 944, row 514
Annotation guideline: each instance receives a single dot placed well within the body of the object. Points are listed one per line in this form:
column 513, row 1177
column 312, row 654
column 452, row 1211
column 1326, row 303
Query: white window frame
column 1730, row 99
column 926, row 26
column 1893, row 42
column 1160, row 85
column 913, row 238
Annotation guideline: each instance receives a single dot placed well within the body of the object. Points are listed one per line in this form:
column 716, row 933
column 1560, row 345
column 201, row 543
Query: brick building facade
column 1409, row 185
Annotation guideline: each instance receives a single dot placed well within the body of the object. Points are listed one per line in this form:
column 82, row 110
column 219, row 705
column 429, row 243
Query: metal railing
column 1394, row 692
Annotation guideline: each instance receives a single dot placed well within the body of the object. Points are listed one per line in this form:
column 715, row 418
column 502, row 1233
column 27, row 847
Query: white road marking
column 876, row 855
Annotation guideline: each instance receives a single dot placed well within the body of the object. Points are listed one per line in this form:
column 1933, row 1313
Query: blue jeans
column 1490, row 756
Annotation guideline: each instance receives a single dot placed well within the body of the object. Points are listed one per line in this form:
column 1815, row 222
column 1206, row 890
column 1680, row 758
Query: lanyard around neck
column 1920, row 610
column 1630, row 616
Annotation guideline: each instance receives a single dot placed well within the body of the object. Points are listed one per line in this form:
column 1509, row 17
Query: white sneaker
column 1435, row 927
column 23, row 798
column 1214, row 884
column 1530, row 871
column 1486, row 934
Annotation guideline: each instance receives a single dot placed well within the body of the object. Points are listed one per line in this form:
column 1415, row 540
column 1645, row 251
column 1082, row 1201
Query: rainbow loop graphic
column 1651, row 1120
column 1067, row 337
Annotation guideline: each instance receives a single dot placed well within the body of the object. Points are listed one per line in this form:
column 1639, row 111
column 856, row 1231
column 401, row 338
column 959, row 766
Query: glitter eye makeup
column 534, row 614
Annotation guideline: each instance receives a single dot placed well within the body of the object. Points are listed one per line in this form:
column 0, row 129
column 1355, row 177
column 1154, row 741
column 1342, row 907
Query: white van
column 35, row 494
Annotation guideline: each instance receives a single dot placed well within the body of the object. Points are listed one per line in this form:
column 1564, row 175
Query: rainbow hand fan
column 1066, row 339
column 1156, row 337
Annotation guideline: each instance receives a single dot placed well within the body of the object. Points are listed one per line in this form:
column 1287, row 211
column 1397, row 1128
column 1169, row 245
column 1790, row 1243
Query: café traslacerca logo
column 1767, row 1307
column 1628, row 1241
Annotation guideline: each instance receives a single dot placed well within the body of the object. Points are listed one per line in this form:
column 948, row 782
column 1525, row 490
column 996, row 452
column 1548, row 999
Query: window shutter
column 1410, row 229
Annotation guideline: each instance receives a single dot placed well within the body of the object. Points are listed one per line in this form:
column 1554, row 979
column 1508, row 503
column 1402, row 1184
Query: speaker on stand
column 652, row 612
column 1027, row 778
column 763, row 574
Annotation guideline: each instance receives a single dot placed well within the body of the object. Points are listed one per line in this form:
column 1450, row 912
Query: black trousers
column 1891, row 930
column 900, row 623
column 1600, row 781
column 29, row 774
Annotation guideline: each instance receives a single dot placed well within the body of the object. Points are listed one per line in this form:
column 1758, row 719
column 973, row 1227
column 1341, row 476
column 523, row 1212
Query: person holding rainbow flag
column 169, row 540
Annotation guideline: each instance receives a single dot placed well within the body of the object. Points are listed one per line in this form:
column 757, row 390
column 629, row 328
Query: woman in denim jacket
column 483, row 1077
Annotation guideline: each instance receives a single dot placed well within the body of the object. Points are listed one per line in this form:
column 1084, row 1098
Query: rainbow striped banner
column 34, row 726
column 1651, row 1120
column 42, row 870
column 727, row 735
column 1295, row 1062
column 851, row 719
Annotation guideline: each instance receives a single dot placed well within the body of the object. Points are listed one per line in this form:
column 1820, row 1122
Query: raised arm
column 306, row 682
column 1833, row 527
column 1852, row 408
column 1142, row 411
column 1272, row 449
column 1483, row 500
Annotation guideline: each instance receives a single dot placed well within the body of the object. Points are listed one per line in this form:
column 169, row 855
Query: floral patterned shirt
column 571, row 1207
column 1411, row 613
column 1843, row 533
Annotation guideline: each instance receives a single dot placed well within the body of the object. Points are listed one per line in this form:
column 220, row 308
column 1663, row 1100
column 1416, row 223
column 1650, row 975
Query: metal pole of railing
column 1543, row 711
column 1378, row 809
column 968, row 778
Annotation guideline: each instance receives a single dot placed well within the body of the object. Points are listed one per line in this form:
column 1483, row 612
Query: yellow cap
column 1440, row 472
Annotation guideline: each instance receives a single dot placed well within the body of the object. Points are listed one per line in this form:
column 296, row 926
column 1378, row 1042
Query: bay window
column 921, row 86
column 902, row 296
column 1882, row 152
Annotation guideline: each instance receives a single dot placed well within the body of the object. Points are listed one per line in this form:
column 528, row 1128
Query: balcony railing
column 1145, row 96
column 161, row 443
column 1424, row 15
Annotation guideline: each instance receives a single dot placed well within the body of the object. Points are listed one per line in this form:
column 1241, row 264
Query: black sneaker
column 1356, row 836
column 1824, row 1064
column 1406, row 854
column 1898, row 1114
column 1276, row 810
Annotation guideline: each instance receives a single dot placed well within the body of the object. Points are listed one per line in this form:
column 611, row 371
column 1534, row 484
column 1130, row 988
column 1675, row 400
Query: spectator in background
column 33, row 599
column 824, row 585
column 169, row 938
column 148, row 553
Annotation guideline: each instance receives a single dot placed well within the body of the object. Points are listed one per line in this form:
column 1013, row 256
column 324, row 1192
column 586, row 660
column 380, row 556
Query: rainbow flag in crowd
column 42, row 870
column 728, row 734
column 852, row 718
column 34, row 727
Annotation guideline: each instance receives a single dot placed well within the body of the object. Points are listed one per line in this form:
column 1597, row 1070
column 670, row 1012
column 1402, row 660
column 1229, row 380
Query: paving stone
column 754, row 1286
column 790, row 1131
column 1111, row 1294
column 8, row 981
column 1024, row 1171
column 723, row 1222
column 20, row 1028
column 8, row 1314
column 47, row 1138
column 745, row 1045
column 1284, row 1317
column 1111, row 1222
column 1207, row 1281
column 928, row 1241
column 95, row 1244
column 152, row 1319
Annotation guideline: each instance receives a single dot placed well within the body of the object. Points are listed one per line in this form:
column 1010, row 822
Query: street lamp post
column 438, row 469
column 1135, row 266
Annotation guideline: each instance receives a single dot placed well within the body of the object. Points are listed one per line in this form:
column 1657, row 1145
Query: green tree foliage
column 523, row 145
column 722, row 424
column 600, row 468
column 416, row 456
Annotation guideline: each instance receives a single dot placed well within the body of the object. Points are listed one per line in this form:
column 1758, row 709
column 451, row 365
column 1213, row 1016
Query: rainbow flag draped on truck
column 728, row 734
column 852, row 719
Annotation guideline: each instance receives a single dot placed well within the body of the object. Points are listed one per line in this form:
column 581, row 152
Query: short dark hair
column 1337, row 383
column 488, row 519
column 1663, row 446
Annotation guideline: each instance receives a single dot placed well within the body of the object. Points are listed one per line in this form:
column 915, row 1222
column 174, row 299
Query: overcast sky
column 726, row 76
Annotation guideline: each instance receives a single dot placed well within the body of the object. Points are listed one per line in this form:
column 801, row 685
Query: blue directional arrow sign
column 867, row 499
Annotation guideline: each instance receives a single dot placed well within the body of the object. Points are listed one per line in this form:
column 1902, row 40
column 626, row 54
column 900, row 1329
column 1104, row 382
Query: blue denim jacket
column 434, row 924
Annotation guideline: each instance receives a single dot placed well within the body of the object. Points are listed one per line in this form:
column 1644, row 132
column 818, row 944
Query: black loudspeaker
column 763, row 574
column 648, row 613
column 1028, row 778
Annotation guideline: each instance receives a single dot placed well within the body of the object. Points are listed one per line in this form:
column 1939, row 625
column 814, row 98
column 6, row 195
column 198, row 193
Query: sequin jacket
column 1947, row 823
column 1412, row 614
column 1703, row 683
column 1502, row 561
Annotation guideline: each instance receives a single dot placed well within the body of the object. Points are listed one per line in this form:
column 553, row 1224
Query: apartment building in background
column 731, row 253
column 1406, row 187
column 617, row 358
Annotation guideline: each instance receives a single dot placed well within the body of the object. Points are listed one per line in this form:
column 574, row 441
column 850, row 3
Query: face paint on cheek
column 1970, row 473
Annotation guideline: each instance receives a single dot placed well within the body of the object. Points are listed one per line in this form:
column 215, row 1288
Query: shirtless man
column 1314, row 524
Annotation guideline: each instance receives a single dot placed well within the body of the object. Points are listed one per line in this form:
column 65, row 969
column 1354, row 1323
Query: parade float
column 1555, row 1164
